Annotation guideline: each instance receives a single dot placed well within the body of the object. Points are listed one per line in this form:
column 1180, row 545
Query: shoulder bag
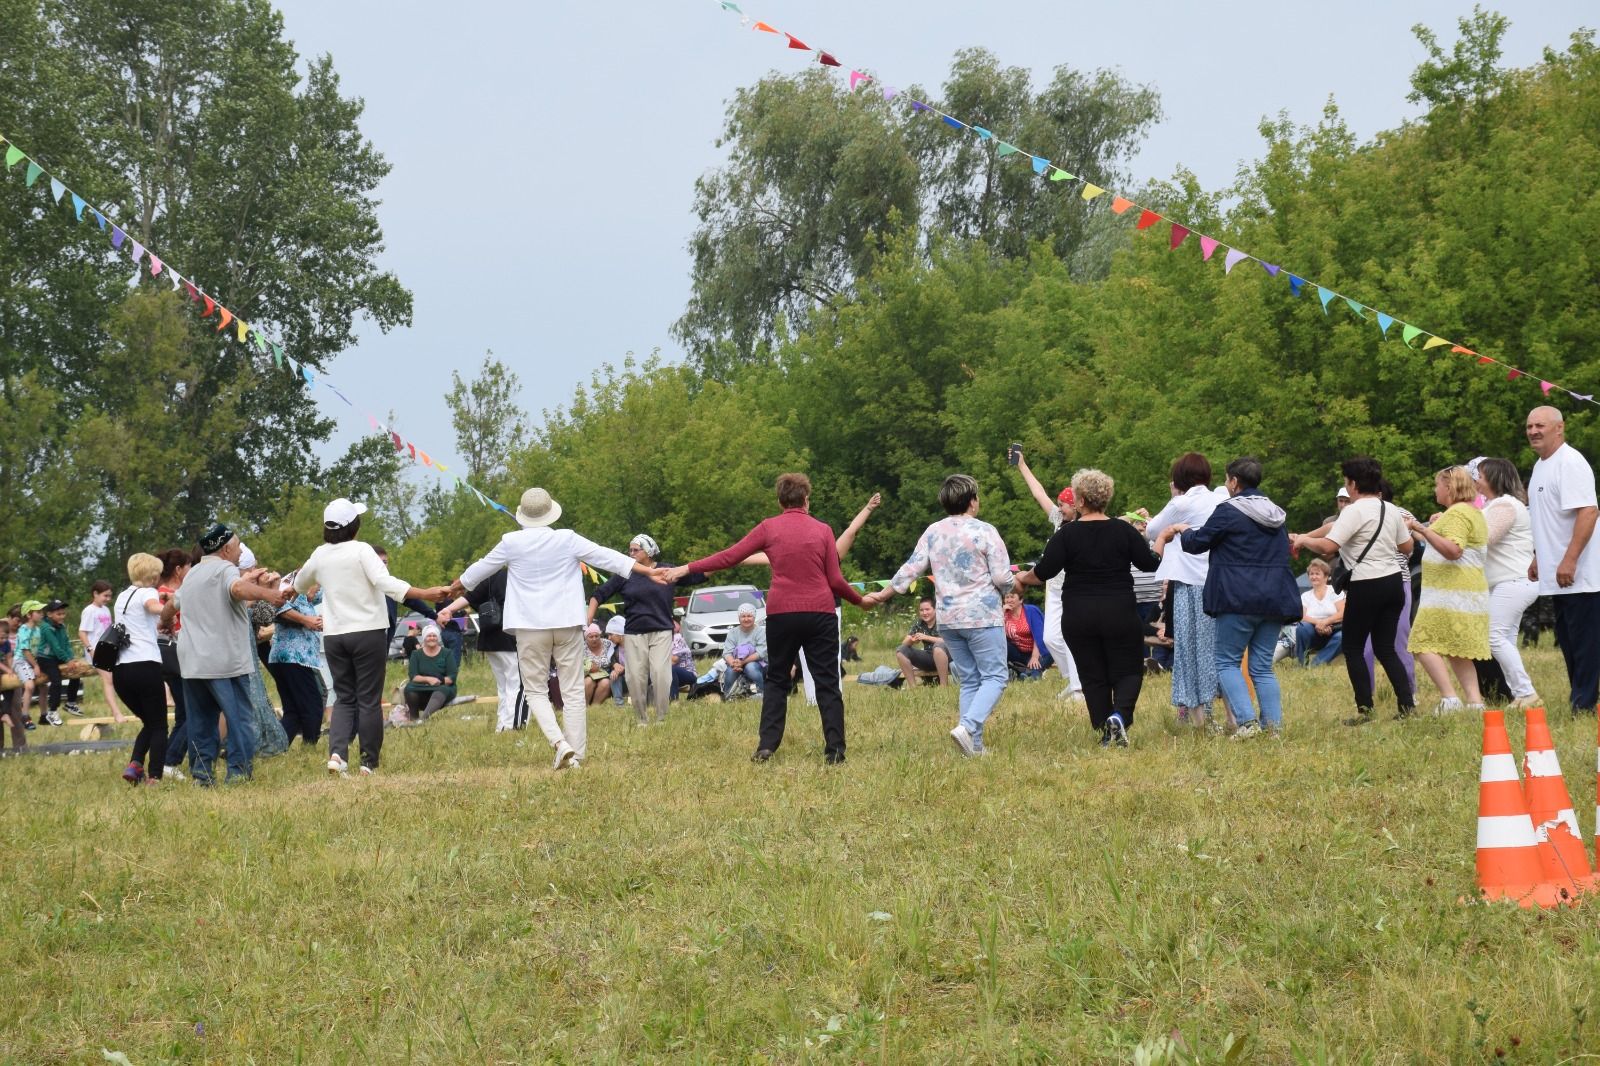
column 1341, row 573
column 108, row 649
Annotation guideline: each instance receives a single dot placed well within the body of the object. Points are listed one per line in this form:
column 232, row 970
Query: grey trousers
column 357, row 662
column 423, row 704
column 649, row 672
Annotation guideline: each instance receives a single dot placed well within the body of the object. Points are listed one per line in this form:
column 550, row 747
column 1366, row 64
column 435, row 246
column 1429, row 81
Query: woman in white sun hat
column 355, row 629
column 544, row 609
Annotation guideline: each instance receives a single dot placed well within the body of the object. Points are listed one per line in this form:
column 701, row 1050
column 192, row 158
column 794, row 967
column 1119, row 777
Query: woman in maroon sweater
column 805, row 580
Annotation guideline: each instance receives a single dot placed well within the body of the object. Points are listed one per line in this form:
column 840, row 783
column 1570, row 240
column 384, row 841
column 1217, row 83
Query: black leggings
column 1372, row 609
column 140, row 688
column 69, row 687
column 1106, row 639
column 302, row 700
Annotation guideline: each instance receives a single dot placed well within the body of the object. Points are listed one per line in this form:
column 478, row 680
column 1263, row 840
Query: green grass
column 1053, row 902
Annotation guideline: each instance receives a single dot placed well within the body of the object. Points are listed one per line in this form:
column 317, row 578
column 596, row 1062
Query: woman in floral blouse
column 293, row 663
column 971, row 568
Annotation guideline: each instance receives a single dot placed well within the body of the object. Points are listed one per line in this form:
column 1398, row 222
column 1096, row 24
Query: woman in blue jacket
column 1250, row 591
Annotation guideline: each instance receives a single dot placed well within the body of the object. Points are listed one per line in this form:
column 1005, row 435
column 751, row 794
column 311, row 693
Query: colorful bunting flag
column 1295, row 285
column 155, row 265
column 1232, row 259
column 797, row 44
column 1178, row 234
column 1545, row 387
column 1408, row 333
column 78, row 205
column 1119, row 204
column 13, row 156
column 1208, row 245
column 56, row 189
column 953, row 122
column 227, row 316
column 1325, row 296
column 1434, row 342
column 827, row 60
column 1384, row 322
column 1359, row 309
column 211, row 308
column 1061, row 175
column 243, row 329
column 1004, row 149
column 890, row 92
column 34, row 170
column 277, row 360
column 1513, row 374
column 194, row 293
column 764, row 28
column 856, row 78
column 918, row 105
column 305, row 372
column 138, row 251
column 99, row 219
column 1271, row 269
column 1091, row 191
column 117, row 237
column 981, row 132
column 1147, row 218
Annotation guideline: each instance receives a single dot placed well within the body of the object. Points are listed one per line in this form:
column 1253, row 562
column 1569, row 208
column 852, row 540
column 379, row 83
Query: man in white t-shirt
column 1566, row 561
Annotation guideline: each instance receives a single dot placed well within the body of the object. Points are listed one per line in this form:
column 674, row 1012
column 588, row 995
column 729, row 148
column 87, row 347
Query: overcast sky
column 545, row 154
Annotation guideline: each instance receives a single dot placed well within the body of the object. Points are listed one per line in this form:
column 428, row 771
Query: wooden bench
column 95, row 728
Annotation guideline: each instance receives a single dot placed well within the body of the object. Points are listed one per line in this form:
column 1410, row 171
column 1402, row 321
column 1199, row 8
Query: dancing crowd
column 193, row 627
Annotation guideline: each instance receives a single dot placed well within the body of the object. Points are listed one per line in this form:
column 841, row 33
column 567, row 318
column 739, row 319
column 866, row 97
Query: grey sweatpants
column 357, row 662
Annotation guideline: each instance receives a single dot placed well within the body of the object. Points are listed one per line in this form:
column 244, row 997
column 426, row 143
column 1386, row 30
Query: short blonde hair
column 1093, row 488
column 1322, row 565
column 144, row 569
column 1458, row 483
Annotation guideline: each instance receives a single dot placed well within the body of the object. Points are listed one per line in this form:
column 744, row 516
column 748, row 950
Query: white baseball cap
column 342, row 512
column 1342, row 494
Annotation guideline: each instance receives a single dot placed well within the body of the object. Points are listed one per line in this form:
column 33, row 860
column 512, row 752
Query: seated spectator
column 850, row 652
column 682, row 662
column 598, row 653
column 10, row 690
column 1026, row 654
column 745, row 652
column 616, row 634
column 409, row 642
column 432, row 673
column 1320, row 629
column 923, row 650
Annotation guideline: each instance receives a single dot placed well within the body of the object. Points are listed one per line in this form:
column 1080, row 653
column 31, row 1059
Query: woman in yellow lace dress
column 1452, row 626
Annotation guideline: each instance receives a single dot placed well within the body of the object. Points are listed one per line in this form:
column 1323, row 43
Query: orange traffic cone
column 1562, row 858
column 1508, row 853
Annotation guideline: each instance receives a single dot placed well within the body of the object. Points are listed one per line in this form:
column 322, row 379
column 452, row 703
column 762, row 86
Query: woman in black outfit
column 1103, row 629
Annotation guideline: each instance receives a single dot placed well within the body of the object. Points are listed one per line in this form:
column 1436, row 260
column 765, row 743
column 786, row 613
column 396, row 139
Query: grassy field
column 1052, row 902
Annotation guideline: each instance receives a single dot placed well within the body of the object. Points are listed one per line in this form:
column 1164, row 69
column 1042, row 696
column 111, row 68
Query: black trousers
column 141, row 689
column 302, row 700
column 787, row 634
column 1372, row 609
column 1106, row 638
column 1578, row 633
column 357, row 662
column 71, row 688
column 178, row 742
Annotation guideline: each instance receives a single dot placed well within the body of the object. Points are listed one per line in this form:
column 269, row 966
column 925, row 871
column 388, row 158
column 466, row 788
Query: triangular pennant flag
column 155, row 265
column 173, row 274
column 117, row 237
column 78, row 205
column 890, row 92
column 138, row 251
column 1513, row 374
column 258, row 341
column 1119, row 204
column 1434, row 342
column 955, row 122
column 56, row 189
column 1232, row 259
column 1384, row 322
column 1271, row 269
column 412, row 448
column 827, row 60
column 1147, row 218
column 796, row 43
column 243, row 329
column 1482, row 359
column 1545, row 387
column 1040, row 164
column 856, row 78
column 981, row 132
column 1296, row 284
column 729, row 5
column 424, row 457
column 1325, row 296
column 1063, row 175
column 1458, row 350
column 1091, row 191
column 442, row 468
column 222, row 323
column 194, row 293
column 399, row 445
column 305, row 372
column 1408, row 334
column 211, row 307
column 1586, row 398
column 14, row 155
column 1178, row 234
column 1208, row 245
column 764, row 28
column 342, row 396
column 1360, row 310
column 34, row 170
column 277, row 359
column 1006, row 149
column 918, row 105
column 99, row 219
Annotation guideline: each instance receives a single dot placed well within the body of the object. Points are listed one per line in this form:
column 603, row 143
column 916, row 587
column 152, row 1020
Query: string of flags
column 256, row 342
column 1178, row 233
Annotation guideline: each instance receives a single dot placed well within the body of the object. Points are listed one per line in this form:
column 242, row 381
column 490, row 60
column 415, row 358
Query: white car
column 713, row 611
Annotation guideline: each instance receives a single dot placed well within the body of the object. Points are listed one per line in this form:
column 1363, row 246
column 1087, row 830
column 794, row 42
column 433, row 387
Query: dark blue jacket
column 1035, row 619
column 1249, row 571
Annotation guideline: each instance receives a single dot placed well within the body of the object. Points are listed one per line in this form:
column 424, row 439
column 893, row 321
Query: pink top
column 805, row 563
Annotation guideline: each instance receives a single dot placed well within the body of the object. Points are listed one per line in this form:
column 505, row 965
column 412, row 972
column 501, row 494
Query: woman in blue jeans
column 1250, row 591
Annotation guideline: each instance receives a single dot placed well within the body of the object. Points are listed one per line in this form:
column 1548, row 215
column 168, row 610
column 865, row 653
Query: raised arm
column 1040, row 496
column 847, row 539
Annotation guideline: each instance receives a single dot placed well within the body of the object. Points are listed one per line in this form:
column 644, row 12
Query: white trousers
column 805, row 671
column 507, row 686
column 1507, row 602
column 536, row 650
column 649, row 672
column 1053, row 640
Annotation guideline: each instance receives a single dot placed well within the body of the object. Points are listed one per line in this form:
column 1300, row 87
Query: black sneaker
column 761, row 755
column 1116, row 731
column 1403, row 713
column 833, row 758
column 74, row 710
column 29, row 725
column 1363, row 716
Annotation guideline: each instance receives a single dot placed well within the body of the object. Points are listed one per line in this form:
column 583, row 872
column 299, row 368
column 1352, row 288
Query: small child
column 92, row 625
column 52, row 648
column 8, row 696
column 26, row 667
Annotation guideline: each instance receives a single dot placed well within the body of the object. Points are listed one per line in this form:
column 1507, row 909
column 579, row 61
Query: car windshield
column 723, row 600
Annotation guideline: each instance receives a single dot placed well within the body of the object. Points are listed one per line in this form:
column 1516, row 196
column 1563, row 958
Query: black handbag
column 489, row 615
column 1340, row 579
column 108, row 649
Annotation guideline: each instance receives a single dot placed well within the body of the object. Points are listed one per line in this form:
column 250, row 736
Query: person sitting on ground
column 1320, row 631
column 9, row 708
column 53, row 651
column 23, row 663
column 1026, row 654
column 411, row 640
column 617, row 635
column 682, row 659
column 745, row 652
column 597, row 655
column 923, row 650
column 432, row 673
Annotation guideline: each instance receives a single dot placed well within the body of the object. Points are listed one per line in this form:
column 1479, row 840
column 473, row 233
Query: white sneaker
column 1250, row 729
column 1448, row 705
column 367, row 771
column 963, row 740
column 337, row 765
column 565, row 756
column 1070, row 694
column 172, row 773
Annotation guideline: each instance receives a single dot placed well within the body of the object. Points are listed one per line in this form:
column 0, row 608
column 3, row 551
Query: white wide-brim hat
column 537, row 509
